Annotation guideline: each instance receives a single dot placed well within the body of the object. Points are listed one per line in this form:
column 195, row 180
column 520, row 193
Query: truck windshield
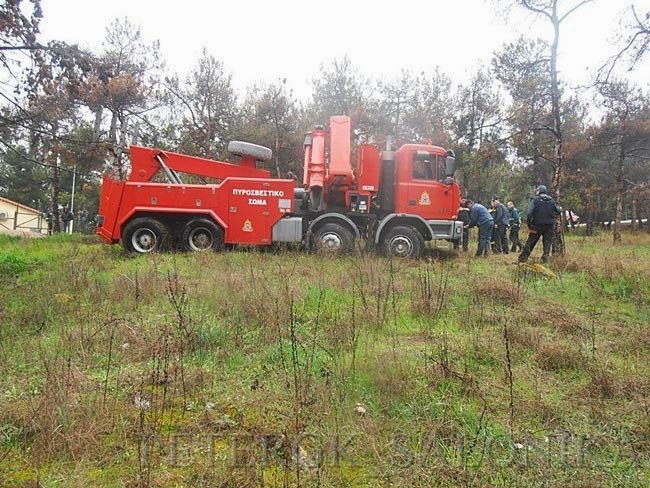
column 428, row 166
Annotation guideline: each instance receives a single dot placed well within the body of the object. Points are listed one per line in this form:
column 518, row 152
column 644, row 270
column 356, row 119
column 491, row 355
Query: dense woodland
column 515, row 123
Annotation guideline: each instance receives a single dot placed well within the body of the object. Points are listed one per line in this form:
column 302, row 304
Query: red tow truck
column 393, row 200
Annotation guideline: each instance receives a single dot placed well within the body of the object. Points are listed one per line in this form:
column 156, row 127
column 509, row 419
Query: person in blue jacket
column 481, row 218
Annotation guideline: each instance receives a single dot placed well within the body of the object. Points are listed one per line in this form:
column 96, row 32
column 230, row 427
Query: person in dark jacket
column 481, row 218
column 67, row 218
column 500, row 225
column 540, row 217
column 493, row 237
column 514, row 219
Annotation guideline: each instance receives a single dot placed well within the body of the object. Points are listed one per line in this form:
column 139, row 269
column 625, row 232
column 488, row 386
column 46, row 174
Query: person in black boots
column 540, row 217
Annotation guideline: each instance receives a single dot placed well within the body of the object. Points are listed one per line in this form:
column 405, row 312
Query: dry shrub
column 602, row 384
column 632, row 387
column 430, row 289
column 393, row 378
column 546, row 412
column 485, row 349
column 65, row 418
column 483, row 317
column 606, row 384
column 558, row 319
column 498, row 292
column 143, row 285
column 637, row 341
column 123, row 339
column 256, row 298
column 527, row 337
column 557, row 357
column 574, row 264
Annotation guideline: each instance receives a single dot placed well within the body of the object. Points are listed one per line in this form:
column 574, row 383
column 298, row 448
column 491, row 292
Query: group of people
column 65, row 220
column 493, row 225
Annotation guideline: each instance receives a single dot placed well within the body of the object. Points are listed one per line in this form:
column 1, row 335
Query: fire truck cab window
column 441, row 166
column 423, row 167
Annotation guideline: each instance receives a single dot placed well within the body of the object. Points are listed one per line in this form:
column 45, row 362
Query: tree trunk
column 54, row 194
column 549, row 9
column 112, row 133
column 618, row 212
column 119, row 143
column 98, row 123
column 558, row 167
column 635, row 222
column 589, row 230
column 277, row 144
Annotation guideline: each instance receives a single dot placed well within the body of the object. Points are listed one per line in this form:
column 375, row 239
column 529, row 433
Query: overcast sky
column 269, row 39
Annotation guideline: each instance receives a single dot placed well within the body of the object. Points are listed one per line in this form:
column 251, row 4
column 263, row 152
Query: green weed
column 284, row 369
column 12, row 265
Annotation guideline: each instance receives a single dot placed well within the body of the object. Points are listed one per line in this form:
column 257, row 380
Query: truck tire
column 260, row 153
column 403, row 242
column 333, row 238
column 144, row 235
column 202, row 235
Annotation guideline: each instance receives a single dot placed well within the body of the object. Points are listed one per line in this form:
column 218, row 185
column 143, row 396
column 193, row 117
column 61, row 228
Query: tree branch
column 37, row 162
column 23, row 48
column 526, row 4
column 573, row 10
column 642, row 31
column 184, row 102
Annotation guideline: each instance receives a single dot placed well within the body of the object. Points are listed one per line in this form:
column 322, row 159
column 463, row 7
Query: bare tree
column 551, row 11
column 636, row 43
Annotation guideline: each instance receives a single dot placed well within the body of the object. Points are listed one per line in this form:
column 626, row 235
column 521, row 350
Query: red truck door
column 420, row 187
column 254, row 206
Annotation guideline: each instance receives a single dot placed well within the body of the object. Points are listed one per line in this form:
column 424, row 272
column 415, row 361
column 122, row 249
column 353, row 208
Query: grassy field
column 286, row 369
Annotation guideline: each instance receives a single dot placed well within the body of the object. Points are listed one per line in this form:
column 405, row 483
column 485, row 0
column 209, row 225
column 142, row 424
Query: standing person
column 500, row 225
column 66, row 217
column 481, row 218
column 463, row 216
column 493, row 237
column 48, row 218
column 540, row 217
column 514, row 219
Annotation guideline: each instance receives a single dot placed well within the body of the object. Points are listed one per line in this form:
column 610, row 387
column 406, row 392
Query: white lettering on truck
column 248, row 192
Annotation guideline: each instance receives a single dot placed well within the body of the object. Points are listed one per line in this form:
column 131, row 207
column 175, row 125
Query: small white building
column 16, row 219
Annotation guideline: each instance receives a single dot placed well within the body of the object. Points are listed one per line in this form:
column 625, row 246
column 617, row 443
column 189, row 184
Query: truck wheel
column 202, row 235
column 333, row 238
column 144, row 235
column 260, row 153
column 403, row 242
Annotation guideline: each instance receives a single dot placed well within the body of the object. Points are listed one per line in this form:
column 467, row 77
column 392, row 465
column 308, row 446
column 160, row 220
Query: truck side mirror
column 450, row 167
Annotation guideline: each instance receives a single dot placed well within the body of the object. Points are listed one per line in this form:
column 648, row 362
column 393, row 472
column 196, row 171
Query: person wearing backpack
column 540, row 217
